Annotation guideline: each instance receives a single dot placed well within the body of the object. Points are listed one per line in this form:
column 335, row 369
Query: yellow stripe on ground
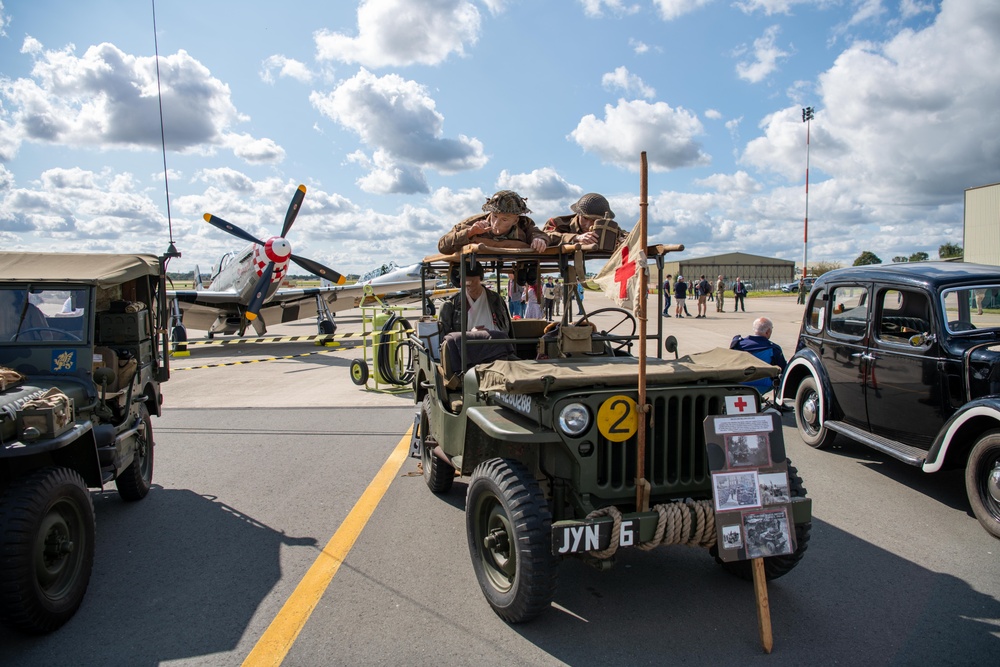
column 277, row 640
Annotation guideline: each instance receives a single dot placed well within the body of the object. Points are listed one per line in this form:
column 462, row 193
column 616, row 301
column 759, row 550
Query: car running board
column 897, row 450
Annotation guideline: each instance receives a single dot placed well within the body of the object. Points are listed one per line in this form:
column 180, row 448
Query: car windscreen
column 972, row 308
column 30, row 315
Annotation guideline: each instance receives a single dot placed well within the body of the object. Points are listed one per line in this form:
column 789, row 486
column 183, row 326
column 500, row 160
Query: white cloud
column 666, row 134
column 394, row 33
column 399, row 118
column 638, row 47
column 765, row 54
column 109, row 98
column 630, row 83
column 595, row 8
column 714, row 114
column 769, row 7
column 284, row 66
column 672, row 9
column 886, row 125
column 387, row 176
column 4, row 21
column 543, row 184
column 910, row 8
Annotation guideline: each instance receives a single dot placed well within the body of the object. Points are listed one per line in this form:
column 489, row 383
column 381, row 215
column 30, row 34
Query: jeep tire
column 982, row 481
column 807, row 412
column 508, row 525
column 134, row 482
column 438, row 475
column 47, row 530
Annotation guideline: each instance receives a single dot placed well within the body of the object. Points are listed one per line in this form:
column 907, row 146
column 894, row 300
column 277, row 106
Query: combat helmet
column 507, row 201
column 593, row 205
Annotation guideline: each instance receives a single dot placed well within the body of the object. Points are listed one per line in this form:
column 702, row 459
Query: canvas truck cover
column 102, row 270
column 527, row 377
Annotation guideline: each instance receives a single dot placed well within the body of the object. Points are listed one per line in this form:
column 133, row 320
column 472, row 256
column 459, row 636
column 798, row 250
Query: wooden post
column 763, row 608
column 641, row 485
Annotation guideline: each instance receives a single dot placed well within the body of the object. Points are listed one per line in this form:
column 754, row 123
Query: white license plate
column 570, row 538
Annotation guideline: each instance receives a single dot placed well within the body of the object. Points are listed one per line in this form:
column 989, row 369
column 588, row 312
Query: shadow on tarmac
column 185, row 590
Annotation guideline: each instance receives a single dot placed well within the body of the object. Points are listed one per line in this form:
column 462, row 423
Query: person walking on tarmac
column 720, row 293
column 680, row 295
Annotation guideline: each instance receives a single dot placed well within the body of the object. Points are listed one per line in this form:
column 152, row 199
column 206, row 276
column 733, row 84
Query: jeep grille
column 675, row 446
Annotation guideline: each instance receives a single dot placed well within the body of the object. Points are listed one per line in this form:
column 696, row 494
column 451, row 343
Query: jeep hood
column 527, row 377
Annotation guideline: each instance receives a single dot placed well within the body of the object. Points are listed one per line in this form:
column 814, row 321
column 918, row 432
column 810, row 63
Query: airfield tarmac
column 287, row 526
column 225, row 374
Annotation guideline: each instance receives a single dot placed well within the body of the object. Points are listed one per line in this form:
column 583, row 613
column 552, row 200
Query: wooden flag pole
column 763, row 608
column 642, row 488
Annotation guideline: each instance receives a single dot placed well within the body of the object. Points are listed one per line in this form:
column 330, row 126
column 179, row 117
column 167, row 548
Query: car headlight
column 574, row 419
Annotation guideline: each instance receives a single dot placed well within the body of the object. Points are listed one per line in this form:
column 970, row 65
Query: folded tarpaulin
column 527, row 377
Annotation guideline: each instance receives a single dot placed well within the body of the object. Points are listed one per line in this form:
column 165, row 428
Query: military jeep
column 547, row 432
column 82, row 357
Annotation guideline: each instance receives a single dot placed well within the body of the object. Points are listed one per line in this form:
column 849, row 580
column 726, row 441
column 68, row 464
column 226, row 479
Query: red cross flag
column 620, row 276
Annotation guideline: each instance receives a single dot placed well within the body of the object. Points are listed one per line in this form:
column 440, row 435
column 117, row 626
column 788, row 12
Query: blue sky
column 402, row 116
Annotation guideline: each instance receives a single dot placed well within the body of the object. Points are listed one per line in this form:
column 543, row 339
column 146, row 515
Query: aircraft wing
column 202, row 307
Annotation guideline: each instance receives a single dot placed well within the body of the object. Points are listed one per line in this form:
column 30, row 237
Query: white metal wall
column 982, row 225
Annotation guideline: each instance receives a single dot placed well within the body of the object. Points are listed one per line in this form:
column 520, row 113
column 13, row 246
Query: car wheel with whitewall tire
column 807, row 415
column 982, row 481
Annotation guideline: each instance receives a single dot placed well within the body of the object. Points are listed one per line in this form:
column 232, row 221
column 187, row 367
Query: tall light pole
column 807, row 115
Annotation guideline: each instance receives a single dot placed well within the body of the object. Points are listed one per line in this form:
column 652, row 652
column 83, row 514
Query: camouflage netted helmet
column 507, row 201
column 593, row 205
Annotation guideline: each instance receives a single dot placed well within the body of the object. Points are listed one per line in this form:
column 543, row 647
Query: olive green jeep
column 82, row 357
column 547, row 431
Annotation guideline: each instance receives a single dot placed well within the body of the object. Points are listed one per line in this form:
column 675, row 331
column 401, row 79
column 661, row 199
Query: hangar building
column 759, row 272
column 982, row 225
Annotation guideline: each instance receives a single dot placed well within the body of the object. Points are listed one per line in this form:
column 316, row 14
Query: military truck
column 546, row 429
column 82, row 357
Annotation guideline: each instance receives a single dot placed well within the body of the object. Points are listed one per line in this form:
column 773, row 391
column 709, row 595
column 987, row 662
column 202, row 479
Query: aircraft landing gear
column 324, row 317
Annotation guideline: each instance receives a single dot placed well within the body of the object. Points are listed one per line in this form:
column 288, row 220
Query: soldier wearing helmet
column 503, row 224
column 579, row 227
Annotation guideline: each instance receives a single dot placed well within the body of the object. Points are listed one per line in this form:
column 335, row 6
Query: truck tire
column 982, row 481
column 47, row 530
column 776, row 566
column 807, row 410
column 509, row 527
column 438, row 475
column 134, row 482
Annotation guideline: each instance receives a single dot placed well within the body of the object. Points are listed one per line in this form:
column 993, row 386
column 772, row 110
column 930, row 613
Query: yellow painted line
column 277, row 640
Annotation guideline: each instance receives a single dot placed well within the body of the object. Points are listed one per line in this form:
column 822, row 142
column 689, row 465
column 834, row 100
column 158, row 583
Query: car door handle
column 864, row 356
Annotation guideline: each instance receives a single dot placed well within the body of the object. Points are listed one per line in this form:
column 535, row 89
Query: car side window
column 815, row 311
column 902, row 315
column 849, row 310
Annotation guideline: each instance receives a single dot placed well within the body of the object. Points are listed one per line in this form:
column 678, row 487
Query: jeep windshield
column 51, row 314
column 972, row 309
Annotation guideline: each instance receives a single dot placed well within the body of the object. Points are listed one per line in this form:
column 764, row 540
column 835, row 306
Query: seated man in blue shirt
column 759, row 345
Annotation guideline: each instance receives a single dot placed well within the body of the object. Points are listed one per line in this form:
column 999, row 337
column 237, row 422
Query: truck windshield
column 30, row 315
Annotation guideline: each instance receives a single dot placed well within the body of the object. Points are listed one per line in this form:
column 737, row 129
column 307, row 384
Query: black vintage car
column 905, row 358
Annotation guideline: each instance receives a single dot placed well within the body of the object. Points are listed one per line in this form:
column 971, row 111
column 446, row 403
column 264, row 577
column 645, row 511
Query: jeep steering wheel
column 622, row 323
column 63, row 334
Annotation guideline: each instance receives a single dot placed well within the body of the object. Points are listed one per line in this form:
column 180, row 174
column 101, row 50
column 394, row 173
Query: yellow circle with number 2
column 618, row 418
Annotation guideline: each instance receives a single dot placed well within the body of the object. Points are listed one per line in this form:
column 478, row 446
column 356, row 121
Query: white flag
column 620, row 276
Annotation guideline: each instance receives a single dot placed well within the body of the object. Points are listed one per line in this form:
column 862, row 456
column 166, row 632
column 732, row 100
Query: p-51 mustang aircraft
column 245, row 287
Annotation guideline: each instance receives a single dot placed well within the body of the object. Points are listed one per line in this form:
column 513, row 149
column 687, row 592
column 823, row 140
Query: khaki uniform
column 720, row 294
column 564, row 229
column 520, row 235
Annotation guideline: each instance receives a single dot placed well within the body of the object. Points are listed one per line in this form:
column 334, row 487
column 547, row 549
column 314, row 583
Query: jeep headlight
column 574, row 419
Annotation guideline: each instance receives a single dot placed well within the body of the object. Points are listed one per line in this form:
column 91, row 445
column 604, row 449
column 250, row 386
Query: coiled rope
column 691, row 522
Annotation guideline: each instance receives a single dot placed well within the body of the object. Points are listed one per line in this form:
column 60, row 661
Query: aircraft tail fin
column 198, row 285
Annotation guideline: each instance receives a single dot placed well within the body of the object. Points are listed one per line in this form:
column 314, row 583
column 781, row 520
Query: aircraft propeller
column 312, row 266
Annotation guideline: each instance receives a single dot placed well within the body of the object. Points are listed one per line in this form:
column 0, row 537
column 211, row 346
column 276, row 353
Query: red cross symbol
column 623, row 273
column 740, row 403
